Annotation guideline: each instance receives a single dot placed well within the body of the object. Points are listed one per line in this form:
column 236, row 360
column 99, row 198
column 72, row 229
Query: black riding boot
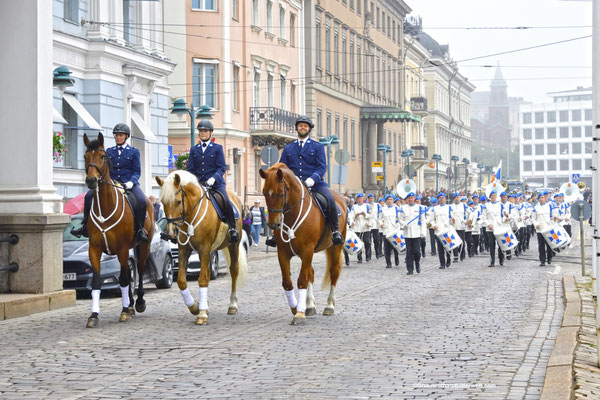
column 333, row 220
column 82, row 231
column 234, row 236
column 141, row 235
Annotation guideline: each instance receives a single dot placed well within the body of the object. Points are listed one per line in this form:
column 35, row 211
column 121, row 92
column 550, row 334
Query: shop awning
column 57, row 118
column 140, row 124
column 81, row 112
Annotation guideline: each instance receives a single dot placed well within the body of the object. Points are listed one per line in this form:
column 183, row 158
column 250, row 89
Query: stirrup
column 337, row 238
column 270, row 242
column 234, row 236
column 79, row 232
column 142, row 236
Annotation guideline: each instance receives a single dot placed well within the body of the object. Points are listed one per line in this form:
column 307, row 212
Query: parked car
column 217, row 264
column 77, row 269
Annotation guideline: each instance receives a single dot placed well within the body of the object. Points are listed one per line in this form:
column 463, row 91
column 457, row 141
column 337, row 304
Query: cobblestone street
column 462, row 333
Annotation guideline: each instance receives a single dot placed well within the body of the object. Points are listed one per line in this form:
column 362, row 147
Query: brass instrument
column 570, row 190
column 405, row 187
column 581, row 186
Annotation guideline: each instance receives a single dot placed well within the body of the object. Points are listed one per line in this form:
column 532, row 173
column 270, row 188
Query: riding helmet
column 205, row 124
column 305, row 119
column 122, row 128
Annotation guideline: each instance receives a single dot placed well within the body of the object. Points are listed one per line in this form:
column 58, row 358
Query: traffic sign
column 342, row 156
column 269, row 155
column 377, row 164
column 581, row 206
column 379, row 177
column 575, row 178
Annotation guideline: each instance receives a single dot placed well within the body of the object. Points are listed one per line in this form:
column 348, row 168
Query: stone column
column 227, row 64
column 372, row 148
column 29, row 205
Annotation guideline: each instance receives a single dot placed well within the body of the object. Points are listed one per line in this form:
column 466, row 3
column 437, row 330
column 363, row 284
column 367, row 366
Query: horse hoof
column 310, row 311
column 140, row 306
column 125, row 317
column 131, row 311
column 92, row 322
column 232, row 310
column 293, row 310
column 328, row 311
column 299, row 319
column 202, row 318
column 194, row 308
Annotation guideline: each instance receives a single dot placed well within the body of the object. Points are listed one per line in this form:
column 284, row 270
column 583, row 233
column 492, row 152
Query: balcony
column 418, row 105
column 420, row 155
column 270, row 125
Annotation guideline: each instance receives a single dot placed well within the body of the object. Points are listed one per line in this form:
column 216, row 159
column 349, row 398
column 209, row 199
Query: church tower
column 499, row 110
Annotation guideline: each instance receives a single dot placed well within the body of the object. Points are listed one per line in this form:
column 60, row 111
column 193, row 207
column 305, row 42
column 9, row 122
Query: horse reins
column 286, row 209
column 183, row 217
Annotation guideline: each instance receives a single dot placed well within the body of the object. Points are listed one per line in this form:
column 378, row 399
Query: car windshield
column 67, row 237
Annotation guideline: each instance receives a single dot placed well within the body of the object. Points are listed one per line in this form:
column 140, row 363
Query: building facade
column 119, row 76
column 556, row 138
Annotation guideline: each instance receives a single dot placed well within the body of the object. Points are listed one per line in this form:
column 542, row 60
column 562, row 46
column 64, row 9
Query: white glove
column 128, row 185
column 210, row 182
column 309, row 182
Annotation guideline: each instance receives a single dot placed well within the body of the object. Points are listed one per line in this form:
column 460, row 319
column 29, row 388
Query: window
column 539, row 133
column 527, row 150
column 256, row 88
column 576, row 148
column 234, row 10
column 388, row 26
column 539, row 165
column 526, row 118
column 539, row 149
column 527, row 134
column 71, row 11
column 588, row 148
column 292, row 30
column 551, row 133
column 551, row 148
column 575, row 115
column 344, row 57
column 204, row 81
column 383, row 21
column 551, row 116
column 328, row 48
column 551, row 165
column 564, row 148
column 539, row 117
column 576, row 131
column 209, row 5
column 281, row 22
column 337, row 126
column 352, row 4
column 588, row 131
column 270, row 95
column 270, row 16
column 358, row 7
column 319, row 122
column 563, row 116
column 577, row 164
column 564, row 132
column 588, row 163
column 255, row 12
column 358, row 63
column 283, row 91
column 328, row 124
column 345, row 133
column 352, row 61
column 527, row 166
column 70, row 159
column 336, row 52
column 293, row 98
column 318, row 42
column 588, row 115
column 353, row 135
column 564, row 165
column 378, row 19
column 236, row 88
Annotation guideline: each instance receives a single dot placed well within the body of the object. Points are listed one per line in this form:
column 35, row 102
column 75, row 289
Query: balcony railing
column 418, row 104
column 271, row 119
column 420, row 151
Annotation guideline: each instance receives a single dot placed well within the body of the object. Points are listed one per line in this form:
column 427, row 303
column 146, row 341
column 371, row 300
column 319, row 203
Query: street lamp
column 437, row 159
column 454, row 159
column 489, row 171
column 385, row 148
column 61, row 78
column 327, row 141
column 179, row 107
column 408, row 153
column 467, row 162
column 480, row 167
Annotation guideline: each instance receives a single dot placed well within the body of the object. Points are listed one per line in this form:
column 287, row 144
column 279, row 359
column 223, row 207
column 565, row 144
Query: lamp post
column 437, row 159
column 467, row 162
column 61, row 78
column 408, row 153
column 385, row 148
column 327, row 141
column 488, row 170
column 179, row 107
column 454, row 159
column 480, row 167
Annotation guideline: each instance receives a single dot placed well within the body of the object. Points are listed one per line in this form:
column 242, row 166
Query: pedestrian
column 412, row 219
column 542, row 220
column 257, row 213
column 156, row 205
column 441, row 223
column 247, row 223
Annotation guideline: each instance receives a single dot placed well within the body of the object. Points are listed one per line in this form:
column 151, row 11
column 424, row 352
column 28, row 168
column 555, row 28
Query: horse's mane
column 168, row 189
column 95, row 145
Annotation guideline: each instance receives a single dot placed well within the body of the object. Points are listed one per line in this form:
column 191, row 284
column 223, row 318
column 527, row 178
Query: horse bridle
column 183, row 215
column 100, row 171
column 285, row 208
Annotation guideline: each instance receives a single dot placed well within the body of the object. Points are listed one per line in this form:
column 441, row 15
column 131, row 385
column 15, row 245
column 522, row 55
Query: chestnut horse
column 298, row 229
column 193, row 220
column 110, row 229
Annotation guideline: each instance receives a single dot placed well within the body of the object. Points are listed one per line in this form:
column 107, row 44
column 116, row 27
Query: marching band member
column 493, row 217
column 476, row 225
column 542, row 219
column 472, row 229
column 423, row 228
column 389, row 223
column 375, row 213
column 412, row 232
column 565, row 212
column 440, row 220
column 432, row 237
column 506, row 208
column 459, row 222
column 484, row 243
column 382, row 204
column 361, row 225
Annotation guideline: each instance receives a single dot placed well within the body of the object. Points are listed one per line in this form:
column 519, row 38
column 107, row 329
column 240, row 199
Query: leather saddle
column 218, row 202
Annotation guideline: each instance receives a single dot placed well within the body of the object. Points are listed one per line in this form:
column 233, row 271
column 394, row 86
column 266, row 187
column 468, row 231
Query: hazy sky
column 531, row 73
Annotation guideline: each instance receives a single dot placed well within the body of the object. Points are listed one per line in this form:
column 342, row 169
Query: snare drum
column 450, row 240
column 352, row 245
column 397, row 240
column 557, row 237
column 506, row 239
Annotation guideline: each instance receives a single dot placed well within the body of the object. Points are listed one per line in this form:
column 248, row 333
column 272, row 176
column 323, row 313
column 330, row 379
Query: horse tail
column 242, row 264
column 326, row 284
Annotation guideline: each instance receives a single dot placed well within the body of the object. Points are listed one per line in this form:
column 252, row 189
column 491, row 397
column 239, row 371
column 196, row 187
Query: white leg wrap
column 301, row 300
column 203, row 298
column 187, row 297
column 96, row 301
column 125, row 296
column 291, row 298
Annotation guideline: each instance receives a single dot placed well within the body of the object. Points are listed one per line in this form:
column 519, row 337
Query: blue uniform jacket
column 210, row 164
column 308, row 163
column 125, row 167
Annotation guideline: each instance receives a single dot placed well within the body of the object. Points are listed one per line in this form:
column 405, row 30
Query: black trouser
column 521, row 238
column 423, row 244
column 568, row 229
column 346, row 258
column 460, row 250
column 544, row 250
column 484, row 243
column 380, row 244
column 527, row 235
column 375, row 238
column 413, row 253
column 366, row 239
column 493, row 244
column 475, row 240
column 445, row 259
column 432, row 240
column 469, row 240
column 388, row 248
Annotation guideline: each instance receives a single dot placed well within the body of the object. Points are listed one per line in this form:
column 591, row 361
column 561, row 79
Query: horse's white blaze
column 168, row 189
column 291, row 298
column 270, row 192
column 331, row 297
column 187, row 297
column 125, row 296
column 203, row 298
column 301, row 300
column 96, row 301
column 310, row 301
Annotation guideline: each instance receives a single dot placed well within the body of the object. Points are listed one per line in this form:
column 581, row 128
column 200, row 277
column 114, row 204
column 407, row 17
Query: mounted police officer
column 207, row 162
column 126, row 170
column 306, row 158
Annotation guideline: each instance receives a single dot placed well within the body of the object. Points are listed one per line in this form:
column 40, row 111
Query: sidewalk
column 13, row 305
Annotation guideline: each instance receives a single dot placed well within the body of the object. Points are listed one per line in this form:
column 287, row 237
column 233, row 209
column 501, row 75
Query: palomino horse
column 300, row 230
column 110, row 228
column 198, row 227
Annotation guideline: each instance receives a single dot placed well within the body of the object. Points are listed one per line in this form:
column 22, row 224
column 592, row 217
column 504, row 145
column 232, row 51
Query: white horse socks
column 301, row 300
column 291, row 298
column 203, row 298
column 125, row 296
column 96, row 301
column 187, row 297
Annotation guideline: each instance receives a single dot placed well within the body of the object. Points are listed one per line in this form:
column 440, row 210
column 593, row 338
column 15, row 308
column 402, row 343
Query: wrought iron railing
column 272, row 119
column 420, row 151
